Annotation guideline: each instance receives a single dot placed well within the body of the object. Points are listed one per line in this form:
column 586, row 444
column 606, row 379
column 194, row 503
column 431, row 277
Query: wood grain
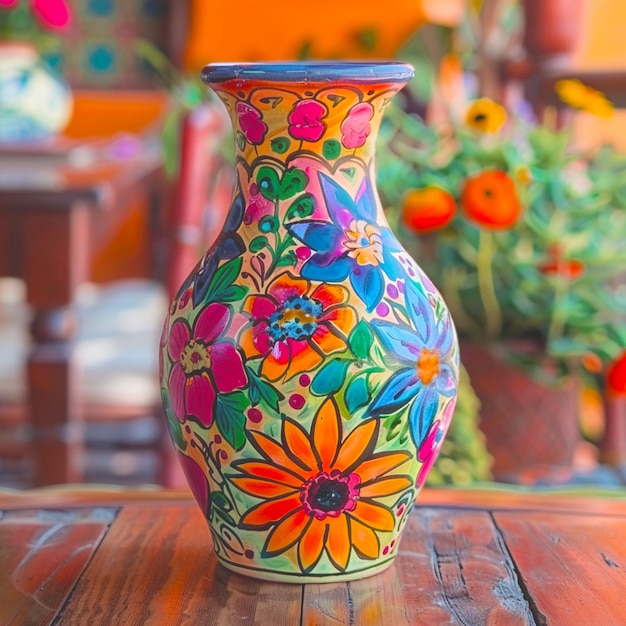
column 574, row 567
column 152, row 563
column 157, row 567
column 43, row 553
column 451, row 569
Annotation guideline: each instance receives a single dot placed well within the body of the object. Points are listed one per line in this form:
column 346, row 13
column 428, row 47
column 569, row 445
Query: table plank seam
column 57, row 620
column 539, row 618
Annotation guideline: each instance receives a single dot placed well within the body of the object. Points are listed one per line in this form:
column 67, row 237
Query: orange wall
column 279, row 29
column 604, row 39
column 603, row 46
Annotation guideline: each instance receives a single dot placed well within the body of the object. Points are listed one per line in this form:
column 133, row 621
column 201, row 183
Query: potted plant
column 523, row 234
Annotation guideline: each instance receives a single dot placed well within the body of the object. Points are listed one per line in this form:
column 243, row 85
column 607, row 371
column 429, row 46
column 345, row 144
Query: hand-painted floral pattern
column 425, row 349
column 194, row 379
column 427, row 454
column 308, row 366
column 356, row 128
column 196, row 479
column 251, row 123
column 351, row 245
column 305, row 120
column 321, row 491
column 258, row 207
column 293, row 327
column 229, row 246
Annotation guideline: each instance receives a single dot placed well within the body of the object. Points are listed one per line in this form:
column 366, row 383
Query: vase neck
column 330, row 111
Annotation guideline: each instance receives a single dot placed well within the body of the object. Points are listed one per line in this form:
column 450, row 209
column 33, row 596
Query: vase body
column 35, row 103
column 309, row 368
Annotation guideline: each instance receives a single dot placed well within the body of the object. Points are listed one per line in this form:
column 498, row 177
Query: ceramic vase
column 35, row 103
column 309, row 368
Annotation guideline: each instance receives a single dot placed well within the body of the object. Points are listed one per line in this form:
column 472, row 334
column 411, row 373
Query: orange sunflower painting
column 321, row 490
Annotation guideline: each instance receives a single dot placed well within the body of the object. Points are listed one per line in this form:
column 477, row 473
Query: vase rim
column 310, row 71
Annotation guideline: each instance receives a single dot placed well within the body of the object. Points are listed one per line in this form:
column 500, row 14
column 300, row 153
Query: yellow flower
column 523, row 175
column 364, row 242
column 485, row 115
column 580, row 96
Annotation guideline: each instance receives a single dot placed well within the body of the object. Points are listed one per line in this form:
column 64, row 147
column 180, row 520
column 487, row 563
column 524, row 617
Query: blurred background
column 115, row 175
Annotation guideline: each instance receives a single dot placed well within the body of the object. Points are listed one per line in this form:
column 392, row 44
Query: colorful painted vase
column 309, row 367
column 35, row 103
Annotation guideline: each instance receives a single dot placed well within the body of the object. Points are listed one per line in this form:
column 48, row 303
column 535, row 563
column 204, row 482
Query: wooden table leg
column 54, row 262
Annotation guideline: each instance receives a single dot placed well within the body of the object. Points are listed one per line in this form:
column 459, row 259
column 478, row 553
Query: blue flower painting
column 351, row 245
column 426, row 349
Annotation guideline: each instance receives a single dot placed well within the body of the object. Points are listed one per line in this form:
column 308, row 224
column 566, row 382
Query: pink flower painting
column 251, row 123
column 305, row 120
column 356, row 128
column 194, row 381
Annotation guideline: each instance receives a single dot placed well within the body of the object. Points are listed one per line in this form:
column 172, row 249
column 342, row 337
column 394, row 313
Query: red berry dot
column 296, row 401
column 303, row 253
column 386, row 550
column 217, row 439
column 254, row 415
column 304, row 380
column 249, row 554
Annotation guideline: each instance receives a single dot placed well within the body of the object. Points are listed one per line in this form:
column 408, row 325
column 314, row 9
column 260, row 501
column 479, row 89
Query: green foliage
column 553, row 276
column 260, row 391
column 230, row 418
column 223, row 287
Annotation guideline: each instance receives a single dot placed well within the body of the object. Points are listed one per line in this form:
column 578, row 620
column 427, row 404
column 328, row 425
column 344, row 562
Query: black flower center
column 330, row 495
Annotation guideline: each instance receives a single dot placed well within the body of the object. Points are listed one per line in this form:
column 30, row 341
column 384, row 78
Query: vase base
column 300, row 578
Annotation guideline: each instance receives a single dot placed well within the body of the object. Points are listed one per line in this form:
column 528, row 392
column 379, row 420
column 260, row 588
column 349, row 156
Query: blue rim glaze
column 354, row 71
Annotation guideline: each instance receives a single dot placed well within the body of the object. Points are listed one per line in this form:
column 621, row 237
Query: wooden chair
column 84, row 401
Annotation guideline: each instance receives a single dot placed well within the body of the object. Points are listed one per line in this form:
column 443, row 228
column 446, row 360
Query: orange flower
column 565, row 268
column 293, row 329
column 319, row 490
column 557, row 264
column 616, row 376
column 592, row 363
column 427, row 209
column 490, row 198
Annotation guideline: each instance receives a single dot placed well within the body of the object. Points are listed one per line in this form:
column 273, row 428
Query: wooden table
column 60, row 209
column 468, row 557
